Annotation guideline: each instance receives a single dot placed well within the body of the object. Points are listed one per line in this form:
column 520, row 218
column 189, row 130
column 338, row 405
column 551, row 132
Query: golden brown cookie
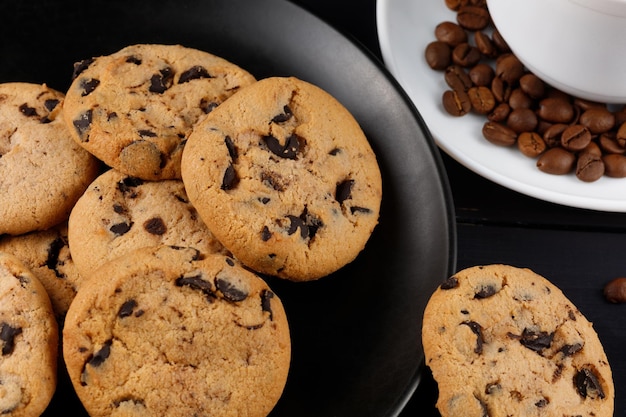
column 166, row 332
column 135, row 108
column 285, row 178
column 28, row 341
column 43, row 170
column 504, row 341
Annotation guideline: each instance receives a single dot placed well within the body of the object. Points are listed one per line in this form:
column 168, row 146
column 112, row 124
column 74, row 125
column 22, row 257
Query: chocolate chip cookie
column 504, row 341
column 119, row 213
column 135, row 108
column 285, row 178
column 47, row 254
column 28, row 341
column 165, row 331
column 43, row 170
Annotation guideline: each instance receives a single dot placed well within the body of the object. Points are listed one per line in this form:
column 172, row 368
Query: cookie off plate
column 405, row 27
column 355, row 334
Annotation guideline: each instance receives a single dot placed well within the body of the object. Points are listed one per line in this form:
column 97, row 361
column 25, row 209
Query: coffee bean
column 552, row 135
column 556, row 161
column 575, row 138
column 485, row 45
column 501, row 89
column 532, row 85
column 555, row 110
column 456, row 103
column 531, row 144
column 457, row 79
column 615, row 291
column 589, row 167
column 499, row 134
column 522, row 120
column 499, row 113
column 520, row 100
column 509, row 68
column 465, row 55
column 473, row 17
column 609, row 144
column 597, row 120
column 614, row 165
column 450, row 33
column 482, row 99
column 481, row 74
column 438, row 55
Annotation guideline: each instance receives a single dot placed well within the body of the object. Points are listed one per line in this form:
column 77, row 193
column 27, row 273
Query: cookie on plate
column 43, row 170
column 285, row 178
column 118, row 213
column 504, row 341
column 28, row 341
column 135, row 108
column 165, row 331
column 46, row 253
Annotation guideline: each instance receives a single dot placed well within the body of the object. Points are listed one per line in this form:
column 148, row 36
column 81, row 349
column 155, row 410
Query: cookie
column 46, row 253
column 135, row 108
column 165, row 331
column 119, row 213
column 43, row 170
column 28, row 341
column 285, row 178
column 504, row 341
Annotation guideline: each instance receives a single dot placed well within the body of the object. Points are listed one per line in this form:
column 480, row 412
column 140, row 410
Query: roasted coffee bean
column 593, row 149
column 555, row 110
column 575, row 138
column 499, row 113
column 556, row 161
column 620, row 135
column 482, row 99
column 615, row 291
column 531, row 144
column 499, row 42
column 456, row 4
column 456, row 103
column 589, row 167
column 614, row 165
column 522, row 120
column 457, row 79
column 499, row 134
column 509, row 68
column 532, row 85
column 620, row 116
column 438, row 55
column 552, row 135
column 485, row 45
column 481, row 74
column 609, row 144
column 450, row 33
column 465, row 55
column 520, row 100
column 501, row 89
column 473, row 17
column 585, row 105
column 597, row 120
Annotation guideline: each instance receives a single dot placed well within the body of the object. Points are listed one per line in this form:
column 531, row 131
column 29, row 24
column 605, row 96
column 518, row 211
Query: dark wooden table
column 579, row 250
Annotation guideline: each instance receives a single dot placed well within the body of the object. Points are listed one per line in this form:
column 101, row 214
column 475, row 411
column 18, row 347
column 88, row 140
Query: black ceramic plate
column 356, row 334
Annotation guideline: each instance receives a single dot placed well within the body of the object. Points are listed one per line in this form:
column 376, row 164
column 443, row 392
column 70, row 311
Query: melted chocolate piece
column 128, row 185
column 121, row 228
column 265, row 234
column 536, row 341
column 82, row 125
column 290, row 150
column 145, row 133
column 485, row 291
column 283, row 117
column 88, row 85
column 7, row 336
column 587, row 384
column 273, row 180
column 449, row 283
column 229, row 291
column 307, row 223
column 195, row 282
column 357, row 209
column 477, row 330
column 343, row 191
column 571, row 350
column 266, row 302
column 127, row 308
column 194, row 73
column 81, row 66
column 52, row 260
column 155, row 226
column 160, row 82
column 335, row 151
column 542, row 403
column 50, row 104
column 230, row 179
column 100, row 356
column 28, row 111
column 208, row 106
column 131, row 59
column 232, row 149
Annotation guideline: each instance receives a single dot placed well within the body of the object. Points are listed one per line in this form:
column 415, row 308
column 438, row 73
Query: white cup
column 577, row 46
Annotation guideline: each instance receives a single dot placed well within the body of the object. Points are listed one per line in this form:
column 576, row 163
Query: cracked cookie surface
column 28, row 341
column 119, row 213
column 504, row 341
column 285, row 178
column 166, row 331
column 43, row 170
column 135, row 108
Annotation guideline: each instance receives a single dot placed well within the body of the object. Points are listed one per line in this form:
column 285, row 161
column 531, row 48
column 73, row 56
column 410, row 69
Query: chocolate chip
column 128, row 185
column 264, row 200
column 230, row 262
column 194, row 73
column 571, row 350
column 357, row 209
column 477, row 330
column 155, row 226
column 160, row 82
column 121, row 228
column 100, row 356
column 344, row 190
column 307, row 223
column 119, row 209
column 88, row 85
column 266, row 302
column 265, row 234
column 51, row 103
column 449, row 283
column 588, row 385
column 133, row 60
column 54, row 250
column 207, row 106
column 7, row 335
column 230, row 179
column 542, row 403
column 283, row 117
column 196, row 282
column 273, row 180
column 145, row 133
column 28, row 111
column 334, row 152
column 127, row 308
column 230, row 291
column 290, row 150
column 536, row 341
column 82, row 124
column 81, row 66
column 485, row 291
column 232, row 149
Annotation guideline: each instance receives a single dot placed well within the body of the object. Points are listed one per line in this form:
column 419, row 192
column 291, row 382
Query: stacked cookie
column 189, row 181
